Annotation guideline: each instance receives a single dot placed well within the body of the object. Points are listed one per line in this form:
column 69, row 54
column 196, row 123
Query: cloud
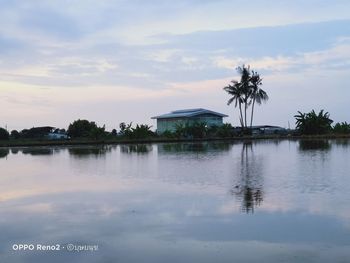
column 338, row 56
column 122, row 51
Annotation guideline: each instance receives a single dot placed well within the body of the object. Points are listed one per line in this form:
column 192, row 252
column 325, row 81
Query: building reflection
column 193, row 147
column 136, row 148
column 248, row 188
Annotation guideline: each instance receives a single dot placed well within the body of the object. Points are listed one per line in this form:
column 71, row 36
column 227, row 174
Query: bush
column 4, row 134
column 225, row 130
column 125, row 129
column 142, row 131
column 168, row 134
column 195, row 130
column 312, row 123
column 341, row 128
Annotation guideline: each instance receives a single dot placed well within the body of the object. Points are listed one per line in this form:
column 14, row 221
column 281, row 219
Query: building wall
column 170, row 124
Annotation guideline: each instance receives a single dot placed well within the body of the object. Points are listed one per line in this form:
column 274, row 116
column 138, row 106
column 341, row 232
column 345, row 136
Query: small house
column 169, row 121
column 57, row 134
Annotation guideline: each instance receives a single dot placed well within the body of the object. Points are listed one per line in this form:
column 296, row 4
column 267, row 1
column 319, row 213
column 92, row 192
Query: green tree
column 97, row 132
column 84, row 129
column 142, row 131
column 15, row 134
column 194, row 130
column 4, row 134
column 312, row 123
column 114, row 132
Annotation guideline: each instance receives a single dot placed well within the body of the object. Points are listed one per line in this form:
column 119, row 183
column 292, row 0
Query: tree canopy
column 4, row 134
column 85, row 128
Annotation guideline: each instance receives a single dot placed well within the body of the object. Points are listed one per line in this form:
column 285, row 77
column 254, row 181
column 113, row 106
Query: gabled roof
column 187, row 113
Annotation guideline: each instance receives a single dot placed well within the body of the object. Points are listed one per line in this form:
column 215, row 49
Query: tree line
column 244, row 93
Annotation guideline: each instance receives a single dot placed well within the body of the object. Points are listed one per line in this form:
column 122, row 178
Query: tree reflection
column 136, row 148
column 83, row 152
column 38, row 151
column 309, row 145
column 14, row 150
column 342, row 142
column 249, row 188
column 193, row 147
column 4, row 152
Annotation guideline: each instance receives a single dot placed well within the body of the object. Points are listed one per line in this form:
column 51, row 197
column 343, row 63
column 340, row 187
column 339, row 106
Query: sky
column 128, row 60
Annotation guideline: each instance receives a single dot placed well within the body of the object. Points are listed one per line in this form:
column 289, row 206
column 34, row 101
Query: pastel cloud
column 65, row 57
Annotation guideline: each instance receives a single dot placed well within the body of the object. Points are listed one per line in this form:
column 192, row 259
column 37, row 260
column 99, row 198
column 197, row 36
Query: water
column 262, row 201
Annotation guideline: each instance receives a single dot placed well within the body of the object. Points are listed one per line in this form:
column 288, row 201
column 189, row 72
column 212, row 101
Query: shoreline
column 30, row 143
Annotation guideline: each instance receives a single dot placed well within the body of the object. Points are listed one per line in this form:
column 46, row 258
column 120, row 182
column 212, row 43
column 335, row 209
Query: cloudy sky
column 127, row 60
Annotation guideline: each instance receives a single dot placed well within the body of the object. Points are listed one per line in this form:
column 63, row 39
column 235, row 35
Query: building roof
column 187, row 113
column 266, row 127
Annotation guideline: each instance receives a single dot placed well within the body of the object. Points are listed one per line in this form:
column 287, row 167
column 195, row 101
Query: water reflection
column 310, row 145
column 193, row 147
column 182, row 206
column 342, row 142
column 136, row 148
column 4, row 152
column 249, row 188
column 84, row 152
column 14, row 150
column 39, row 151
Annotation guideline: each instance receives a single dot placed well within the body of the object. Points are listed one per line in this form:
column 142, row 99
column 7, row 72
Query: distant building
column 169, row 121
column 267, row 129
column 45, row 132
column 36, row 132
column 57, row 135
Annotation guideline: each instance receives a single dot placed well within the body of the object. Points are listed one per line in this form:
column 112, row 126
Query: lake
column 254, row 201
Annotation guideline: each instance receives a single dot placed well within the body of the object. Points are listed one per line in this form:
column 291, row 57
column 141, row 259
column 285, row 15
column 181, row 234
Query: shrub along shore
column 83, row 132
column 72, row 142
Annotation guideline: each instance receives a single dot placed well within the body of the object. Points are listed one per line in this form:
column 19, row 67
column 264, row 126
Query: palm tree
column 236, row 92
column 257, row 95
column 245, row 88
column 246, row 92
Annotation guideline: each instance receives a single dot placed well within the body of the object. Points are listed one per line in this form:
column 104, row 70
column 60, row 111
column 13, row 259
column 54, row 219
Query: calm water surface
column 263, row 201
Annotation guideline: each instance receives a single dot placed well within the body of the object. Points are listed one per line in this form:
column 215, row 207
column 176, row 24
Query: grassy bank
column 28, row 143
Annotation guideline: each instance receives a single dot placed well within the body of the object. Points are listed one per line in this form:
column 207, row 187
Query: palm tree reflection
column 249, row 186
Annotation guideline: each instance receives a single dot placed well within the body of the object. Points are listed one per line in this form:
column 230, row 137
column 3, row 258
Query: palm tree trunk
column 251, row 117
column 245, row 114
column 240, row 111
